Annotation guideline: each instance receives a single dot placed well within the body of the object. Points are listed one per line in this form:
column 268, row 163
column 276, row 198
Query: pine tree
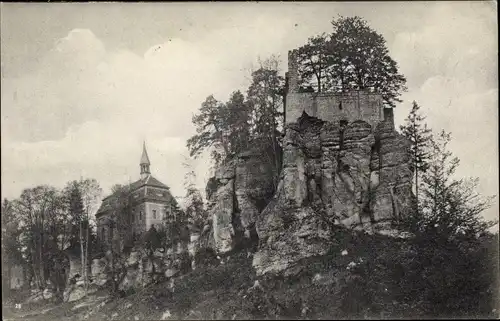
column 420, row 137
column 450, row 208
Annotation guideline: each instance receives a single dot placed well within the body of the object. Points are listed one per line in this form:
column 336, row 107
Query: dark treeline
column 41, row 225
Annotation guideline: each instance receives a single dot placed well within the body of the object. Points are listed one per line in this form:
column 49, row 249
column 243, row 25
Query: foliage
column 313, row 60
column 352, row 57
column 424, row 276
column 41, row 224
column 238, row 120
column 420, row 138
column 42, row 212
column 229, row 128
column 450, row 208
column 76, row 212
column 212, row 130
column 194, row 207
column 265, row 97
column 11, row 244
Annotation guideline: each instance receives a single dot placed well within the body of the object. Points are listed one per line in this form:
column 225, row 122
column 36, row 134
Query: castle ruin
column 333, row 107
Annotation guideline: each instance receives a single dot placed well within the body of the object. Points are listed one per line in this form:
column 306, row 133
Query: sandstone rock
column 356, row 176
column 236, row 194
column 76, row 294
column 222, row 214
column 225, row 172
column 287, row 235
column 133, row 258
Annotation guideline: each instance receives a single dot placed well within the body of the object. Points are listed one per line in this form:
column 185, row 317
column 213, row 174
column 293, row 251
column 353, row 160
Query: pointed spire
column 144, row 164
column 144, row 157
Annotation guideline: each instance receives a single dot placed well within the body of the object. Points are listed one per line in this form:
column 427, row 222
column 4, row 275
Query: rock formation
column 237, row 194
column 351, row 175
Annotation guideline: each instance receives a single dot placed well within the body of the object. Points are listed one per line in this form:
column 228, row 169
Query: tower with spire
column 151, row 201
column 144, row 164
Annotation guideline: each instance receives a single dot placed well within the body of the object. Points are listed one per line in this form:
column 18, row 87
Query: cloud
column 450, row 63
column 84, row 107
column 87, row 108
column 454, row 40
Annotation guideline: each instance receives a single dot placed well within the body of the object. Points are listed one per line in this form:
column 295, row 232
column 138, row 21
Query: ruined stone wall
column 331, row 107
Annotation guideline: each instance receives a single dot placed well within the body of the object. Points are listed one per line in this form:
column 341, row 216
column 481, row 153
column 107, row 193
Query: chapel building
column 151, row 202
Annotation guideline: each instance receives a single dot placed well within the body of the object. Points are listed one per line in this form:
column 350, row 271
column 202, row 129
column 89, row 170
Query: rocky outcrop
column 237, row 193
column 143, row 269
column 351, row 175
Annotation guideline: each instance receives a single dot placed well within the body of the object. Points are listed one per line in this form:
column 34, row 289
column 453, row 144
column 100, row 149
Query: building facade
column 151, row 204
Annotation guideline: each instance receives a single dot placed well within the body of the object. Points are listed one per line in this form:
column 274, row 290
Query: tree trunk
column 41, row 270
column 319, row 81
column 274, row 146
column 416, row 190
column 87, row 256
column 9, row 275
column 82, row 254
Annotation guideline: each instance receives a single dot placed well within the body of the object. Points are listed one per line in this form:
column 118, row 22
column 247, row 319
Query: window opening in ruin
column 154, row 214
column 340, row 105
column 140, row 215
column 343, row 123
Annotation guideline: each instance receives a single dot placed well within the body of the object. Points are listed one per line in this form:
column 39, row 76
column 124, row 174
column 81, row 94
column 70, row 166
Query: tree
column 420, row 137
column 265, row 98
column 211, row 129
column 119, row 225
column 11, row 245
column 194, row 207
column 313, row 60
column 356, row 58
column 90, row 193
column 450, row 208
column 238, row 122
column 47, row 230
column 76, row 211
column 36, row 207
column 222, row 127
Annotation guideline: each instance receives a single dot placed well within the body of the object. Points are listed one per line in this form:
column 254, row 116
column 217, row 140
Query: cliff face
column 352, row 175
column 237, row 194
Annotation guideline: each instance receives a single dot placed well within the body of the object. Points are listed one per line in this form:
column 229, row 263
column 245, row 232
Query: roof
column 144, row 157
column 146, row 181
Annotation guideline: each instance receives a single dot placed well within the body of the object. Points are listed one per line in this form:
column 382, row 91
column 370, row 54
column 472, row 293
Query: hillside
column 370, row 276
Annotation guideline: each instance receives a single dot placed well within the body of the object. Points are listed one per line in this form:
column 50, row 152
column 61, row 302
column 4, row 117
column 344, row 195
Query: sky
column 84, row 84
